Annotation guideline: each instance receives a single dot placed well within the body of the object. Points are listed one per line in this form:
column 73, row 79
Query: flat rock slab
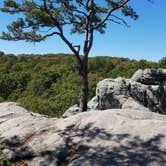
column 96, row 138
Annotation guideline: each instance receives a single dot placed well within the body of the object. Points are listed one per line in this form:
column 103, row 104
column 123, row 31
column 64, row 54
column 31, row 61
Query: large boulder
column 150, row 76
column 147, row 87
column 112, row 93
column 99, row 138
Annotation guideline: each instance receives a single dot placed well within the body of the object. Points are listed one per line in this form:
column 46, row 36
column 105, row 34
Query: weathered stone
column 133, row 105
column 150, row 96
column 150, row 76
column 156, row 98
column 147, row 87
column 112, row 93
column 94, row 103
column 111, row 137
column 138, row 92
column 73, row 110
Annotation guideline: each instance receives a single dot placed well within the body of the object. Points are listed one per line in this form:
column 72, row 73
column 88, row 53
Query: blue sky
column 145, row 39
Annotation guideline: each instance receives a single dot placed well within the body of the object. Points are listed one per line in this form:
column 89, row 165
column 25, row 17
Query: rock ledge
column 99, row 138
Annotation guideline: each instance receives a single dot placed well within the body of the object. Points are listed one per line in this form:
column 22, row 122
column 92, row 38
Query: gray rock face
column 94, row 104
column 114, row 93
column 73, row 110
column 150, row 76
column 147, row 87
column 134, row 105
column 95, row 138
column 138, row 92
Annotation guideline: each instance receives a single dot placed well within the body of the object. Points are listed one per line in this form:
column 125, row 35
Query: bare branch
column 75, row 52
column 78, row 48
column 87, row 3
column 46, row 36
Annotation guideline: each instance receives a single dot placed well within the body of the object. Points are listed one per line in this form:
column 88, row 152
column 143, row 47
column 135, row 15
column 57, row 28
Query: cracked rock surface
column 95, row 138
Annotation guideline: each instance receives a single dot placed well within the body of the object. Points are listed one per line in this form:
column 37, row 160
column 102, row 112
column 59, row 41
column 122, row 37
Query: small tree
column 39, row 20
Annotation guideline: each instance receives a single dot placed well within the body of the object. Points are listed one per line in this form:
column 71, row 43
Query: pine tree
column 39, row 20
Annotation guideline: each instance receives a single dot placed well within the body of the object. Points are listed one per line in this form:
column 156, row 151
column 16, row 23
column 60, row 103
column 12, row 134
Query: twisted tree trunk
column 84, row 86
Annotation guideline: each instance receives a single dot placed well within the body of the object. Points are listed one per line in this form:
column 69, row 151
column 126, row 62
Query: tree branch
column 110, row 12
column 47, row 35
column 121, row 20
column 48, row 12
column 75, row 52
column 75, row 10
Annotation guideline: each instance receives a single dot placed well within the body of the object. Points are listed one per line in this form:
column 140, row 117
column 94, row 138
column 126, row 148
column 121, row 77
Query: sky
column 145, row 39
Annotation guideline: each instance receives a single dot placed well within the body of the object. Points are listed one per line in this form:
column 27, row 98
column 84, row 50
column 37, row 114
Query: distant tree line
column 49, row 84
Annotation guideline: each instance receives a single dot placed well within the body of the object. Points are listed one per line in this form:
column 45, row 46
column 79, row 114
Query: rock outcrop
column 73, row 110
column 146, row 88
column 95, row 138
column 150, row 76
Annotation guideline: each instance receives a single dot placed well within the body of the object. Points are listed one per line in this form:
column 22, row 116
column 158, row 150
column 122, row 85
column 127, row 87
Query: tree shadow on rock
column 133, row 151
column 78, row 148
